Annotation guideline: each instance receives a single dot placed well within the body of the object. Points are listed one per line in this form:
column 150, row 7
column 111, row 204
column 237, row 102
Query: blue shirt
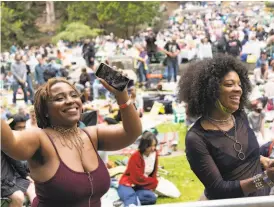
column 39, row 74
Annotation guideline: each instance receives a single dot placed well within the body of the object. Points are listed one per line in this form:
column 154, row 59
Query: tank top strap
column 84, row 130
column 52, row 142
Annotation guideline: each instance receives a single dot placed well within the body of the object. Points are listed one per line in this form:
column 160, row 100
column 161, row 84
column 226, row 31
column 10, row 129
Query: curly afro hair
column 200, row 81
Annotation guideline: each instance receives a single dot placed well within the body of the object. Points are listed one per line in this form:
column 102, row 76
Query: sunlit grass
column 179, row 170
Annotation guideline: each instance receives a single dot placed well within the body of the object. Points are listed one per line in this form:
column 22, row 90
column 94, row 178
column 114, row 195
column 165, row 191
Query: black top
column 214, row 161
column 172, row 47
column 234, row 47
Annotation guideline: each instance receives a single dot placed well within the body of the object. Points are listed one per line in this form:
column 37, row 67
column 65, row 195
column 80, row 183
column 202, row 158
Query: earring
column 47, row 115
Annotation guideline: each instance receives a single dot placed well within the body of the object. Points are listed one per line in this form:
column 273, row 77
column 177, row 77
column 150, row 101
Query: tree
column 84, row 11
column 122, row 18
column 76, row 31
column 128, row 15
column 18, row 21
column 50, row 12
column 11, row 27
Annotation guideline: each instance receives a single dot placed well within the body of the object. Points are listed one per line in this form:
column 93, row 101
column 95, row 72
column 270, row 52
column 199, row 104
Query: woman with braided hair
column 63, row 159
column 221, row 148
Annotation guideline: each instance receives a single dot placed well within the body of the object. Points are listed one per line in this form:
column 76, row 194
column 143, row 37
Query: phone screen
column 112, row 77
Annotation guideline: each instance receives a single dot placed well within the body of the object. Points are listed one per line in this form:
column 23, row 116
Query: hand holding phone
column 112, row 77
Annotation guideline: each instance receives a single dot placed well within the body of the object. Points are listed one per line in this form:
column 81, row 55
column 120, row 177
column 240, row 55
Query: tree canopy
column 76, row 31
column 22, row 21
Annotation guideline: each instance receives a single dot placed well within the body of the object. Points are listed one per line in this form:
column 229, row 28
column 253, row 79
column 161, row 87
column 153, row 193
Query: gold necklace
column 70, row 137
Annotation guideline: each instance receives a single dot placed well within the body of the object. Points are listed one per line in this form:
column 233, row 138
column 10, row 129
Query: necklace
column 238, row 147
column 219, row 120
column 70, row 138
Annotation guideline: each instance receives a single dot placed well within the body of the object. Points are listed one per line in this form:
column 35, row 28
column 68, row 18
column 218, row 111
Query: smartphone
column 112, row 77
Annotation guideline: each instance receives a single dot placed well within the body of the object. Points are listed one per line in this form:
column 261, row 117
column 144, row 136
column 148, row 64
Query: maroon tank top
column 68, row 188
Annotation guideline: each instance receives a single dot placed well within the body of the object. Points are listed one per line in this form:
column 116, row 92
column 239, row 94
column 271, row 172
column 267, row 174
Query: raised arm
column 116, row 137
column 208, row 173
column 20, row 145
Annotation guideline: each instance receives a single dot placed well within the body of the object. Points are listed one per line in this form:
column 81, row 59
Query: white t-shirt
column 149, row 163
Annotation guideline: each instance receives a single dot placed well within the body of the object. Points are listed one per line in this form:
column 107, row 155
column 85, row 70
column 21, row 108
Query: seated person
column 262, row 59
column 139, row 180
column 15, row 180
column 31, row 122
column 86, row 96
column 261, row 74
column 267, row 151
column 256, row 120
column 84, row 77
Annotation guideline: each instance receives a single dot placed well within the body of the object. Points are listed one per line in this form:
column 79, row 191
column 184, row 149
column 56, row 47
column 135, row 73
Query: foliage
column 84, row 11
column 179, row 170
column 269, row 4
column 121, row 16
column 11, row 28
column 18, row 21
column 22, row 20
column 76, row 31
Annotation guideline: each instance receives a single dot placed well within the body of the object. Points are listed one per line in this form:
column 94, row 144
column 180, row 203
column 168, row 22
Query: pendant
column 241, row 155
column 237, row 146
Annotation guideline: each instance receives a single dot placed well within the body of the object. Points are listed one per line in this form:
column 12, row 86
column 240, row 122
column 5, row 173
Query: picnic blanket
column 165, row 140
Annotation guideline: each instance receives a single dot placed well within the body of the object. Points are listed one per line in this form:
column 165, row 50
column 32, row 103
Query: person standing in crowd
column 205, row 49
column 140, row 178
column 221, row 44
column 151, row 47
column 142, row 66
column 31, row 122
column 19, row 72
column 256, row 119
column 89, row 53
column 172, row 51
column 29, row 79
column 63, row 158
column 221, row 148
column 39, row 71
column 15, row 179
column 234, row 46
column 13, row 48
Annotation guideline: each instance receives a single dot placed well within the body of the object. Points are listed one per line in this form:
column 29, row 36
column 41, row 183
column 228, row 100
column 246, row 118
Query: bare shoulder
column 92, row 133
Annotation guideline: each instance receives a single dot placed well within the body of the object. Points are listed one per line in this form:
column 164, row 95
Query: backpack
column 49, row 72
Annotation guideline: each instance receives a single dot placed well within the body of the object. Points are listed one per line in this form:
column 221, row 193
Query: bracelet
column 125, row 105
column 267, row 180
column 258, row 181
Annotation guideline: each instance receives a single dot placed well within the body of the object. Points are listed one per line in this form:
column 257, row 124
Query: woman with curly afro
column 221, row 148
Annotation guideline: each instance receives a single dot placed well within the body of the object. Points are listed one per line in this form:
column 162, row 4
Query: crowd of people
column 60, row 152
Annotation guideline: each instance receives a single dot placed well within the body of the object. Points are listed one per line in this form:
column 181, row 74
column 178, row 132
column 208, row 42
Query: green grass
column 183, row 178
column 179, row 170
